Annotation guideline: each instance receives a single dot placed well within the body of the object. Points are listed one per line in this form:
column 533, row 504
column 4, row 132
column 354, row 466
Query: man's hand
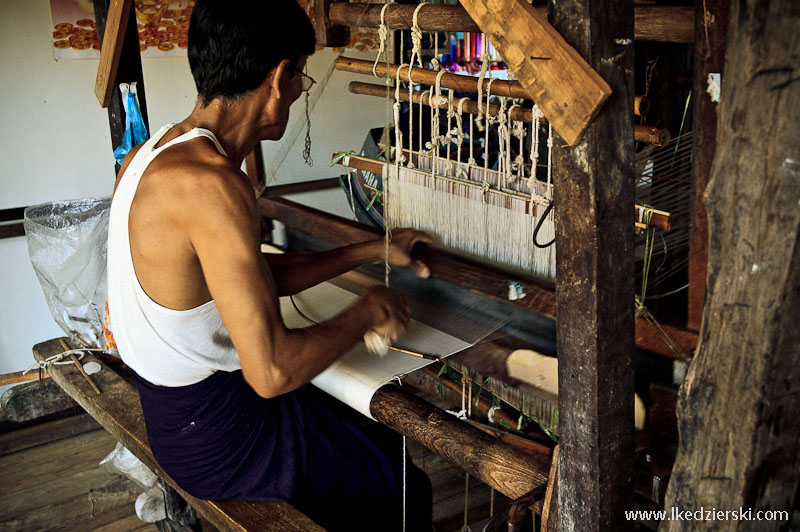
column 389, row 310
column 400, row 247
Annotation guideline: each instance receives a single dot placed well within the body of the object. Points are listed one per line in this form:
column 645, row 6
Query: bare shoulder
column 197, row 184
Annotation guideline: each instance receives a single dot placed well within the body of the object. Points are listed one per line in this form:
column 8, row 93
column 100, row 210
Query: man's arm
column 224, row 231
column 294, row 272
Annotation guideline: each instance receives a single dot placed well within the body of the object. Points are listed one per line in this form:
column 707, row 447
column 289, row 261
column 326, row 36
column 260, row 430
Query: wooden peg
column 79, row 366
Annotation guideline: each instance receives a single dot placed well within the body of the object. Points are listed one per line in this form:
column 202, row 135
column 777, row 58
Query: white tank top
column 164, row 346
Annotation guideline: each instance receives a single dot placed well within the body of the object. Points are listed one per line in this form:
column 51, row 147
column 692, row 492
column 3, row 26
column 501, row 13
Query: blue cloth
column 219, row 440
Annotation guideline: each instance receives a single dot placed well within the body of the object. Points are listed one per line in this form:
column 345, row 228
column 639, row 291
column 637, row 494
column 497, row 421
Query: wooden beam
column 326, row 183
column 709, row 57
column 507, row 469
column 118, row 410
column 129, row 70
column 737, row 410
column 594, row 189
column 652, row 23
column 564, row 86
column 111, row 49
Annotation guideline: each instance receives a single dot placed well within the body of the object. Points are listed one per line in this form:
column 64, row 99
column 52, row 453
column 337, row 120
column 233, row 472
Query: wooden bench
column 119, row 411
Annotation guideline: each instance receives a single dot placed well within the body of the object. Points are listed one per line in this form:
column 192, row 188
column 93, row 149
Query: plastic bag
column 135, row 130
column 121, row 460
column 67, row 242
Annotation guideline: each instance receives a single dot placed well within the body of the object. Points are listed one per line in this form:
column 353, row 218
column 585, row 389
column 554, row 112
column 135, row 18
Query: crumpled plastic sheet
column 67, row 243
column 121, row 460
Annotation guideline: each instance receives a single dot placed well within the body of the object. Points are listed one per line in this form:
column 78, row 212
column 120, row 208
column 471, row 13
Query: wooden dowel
column 512, row 89
column 660, row 219
column 19, row 376
column 525, row 114
column 79, row 366
column 651, row 135
column 651, row 23
column 503, row 467
column 426, row 356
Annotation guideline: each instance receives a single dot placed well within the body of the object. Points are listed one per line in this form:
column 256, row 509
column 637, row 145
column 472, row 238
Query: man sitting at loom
column 193, row 304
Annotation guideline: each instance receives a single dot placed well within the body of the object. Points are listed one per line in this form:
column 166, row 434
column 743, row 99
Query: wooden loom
column 468, row 277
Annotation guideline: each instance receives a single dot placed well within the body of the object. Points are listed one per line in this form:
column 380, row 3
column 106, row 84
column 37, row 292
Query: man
column 193, row 304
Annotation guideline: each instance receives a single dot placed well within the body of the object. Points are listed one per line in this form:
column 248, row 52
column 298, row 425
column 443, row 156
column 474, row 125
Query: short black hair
column 234, row 44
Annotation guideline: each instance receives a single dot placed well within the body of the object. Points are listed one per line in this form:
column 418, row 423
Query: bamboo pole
column 660, row 219
column 651, row 23
column 20, row 376
column 512, row 89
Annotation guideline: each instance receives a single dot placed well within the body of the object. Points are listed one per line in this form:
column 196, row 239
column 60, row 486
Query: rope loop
column 58, row 359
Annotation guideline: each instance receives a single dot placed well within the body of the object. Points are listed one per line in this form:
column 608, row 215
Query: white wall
column 55, row 144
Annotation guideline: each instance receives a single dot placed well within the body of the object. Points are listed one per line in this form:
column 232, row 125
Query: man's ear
column 277, row 76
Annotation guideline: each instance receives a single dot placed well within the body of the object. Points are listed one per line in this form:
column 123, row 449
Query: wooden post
column 594, row 186
column 737, row 410
column 711, row 27
column 128, row 71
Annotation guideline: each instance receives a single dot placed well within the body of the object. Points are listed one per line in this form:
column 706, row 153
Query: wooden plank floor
column 60, row 486
column 448, row 485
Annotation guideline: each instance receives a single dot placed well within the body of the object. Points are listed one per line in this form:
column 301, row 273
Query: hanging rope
column 383, row 34
column 481, row 76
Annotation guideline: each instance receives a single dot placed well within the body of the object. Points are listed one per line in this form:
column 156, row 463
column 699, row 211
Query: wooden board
column 110, row 52
column 557, row 78
column 60, row 486
column 118, row 410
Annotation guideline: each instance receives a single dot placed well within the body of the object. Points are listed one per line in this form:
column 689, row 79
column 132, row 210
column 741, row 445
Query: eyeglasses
column 307, row 80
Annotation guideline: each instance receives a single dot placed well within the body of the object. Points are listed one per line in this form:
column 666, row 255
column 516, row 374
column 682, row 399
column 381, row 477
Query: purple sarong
column 219, row 440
